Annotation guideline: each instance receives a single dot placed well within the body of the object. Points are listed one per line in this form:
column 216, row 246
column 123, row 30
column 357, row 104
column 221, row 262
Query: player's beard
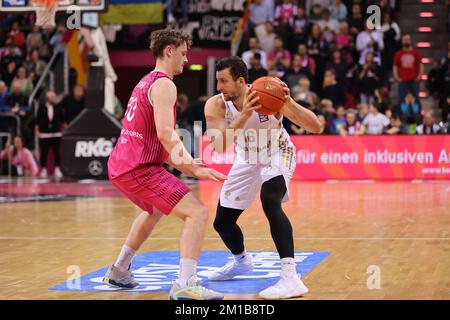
column 233, row 96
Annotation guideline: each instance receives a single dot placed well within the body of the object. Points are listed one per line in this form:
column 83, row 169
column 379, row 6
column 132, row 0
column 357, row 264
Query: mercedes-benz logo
column 95, row 168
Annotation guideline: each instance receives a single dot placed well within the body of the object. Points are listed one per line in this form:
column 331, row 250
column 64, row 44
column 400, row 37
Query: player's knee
column 201, row 215
column 223, row 223
column 219, row 226
column 272, row 193
column 270, row 200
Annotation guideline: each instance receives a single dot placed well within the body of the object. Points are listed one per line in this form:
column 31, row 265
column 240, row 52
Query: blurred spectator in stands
column 72, row 104
column 300, row 28
column 407, row 68
column 384, row 6
column 10, row 52
column 343, row 38
column 339, row 65
column 356, row 21
column 36, row 41
column 410, row 112
column 369, row 41
column 328, row 26
column 17, row 37
column 22, row 160
column 183, row 5
column 256, row 70
column 338, row 121
column 389, row 114
column 318, row 50
column 327, row 109
column 49, row 124
column 391, row 42
column 445, row 71
column 284, row 18
column 24, row 81
column 382, row 99
column 428, row 126
column 369, row 79
column 332, row 90
column 34, row 65
column 254, row 47
column 351, row 126
column 267, row 40
column 375, row 122
column 338, row 10
column 272, row 72
column 285, row 12
column 444, row 105
column 9, row 74
column 395, row 126
column 316, row 13
column 434, row 79
column 363, row 111
column 295, row 72
column 308, row 64
column 261, row 13
column 17, row 101
column 279, row 57
column 302, row 93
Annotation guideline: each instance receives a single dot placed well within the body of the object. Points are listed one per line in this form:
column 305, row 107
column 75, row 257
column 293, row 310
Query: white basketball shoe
column 285, row 288
column 233, row 268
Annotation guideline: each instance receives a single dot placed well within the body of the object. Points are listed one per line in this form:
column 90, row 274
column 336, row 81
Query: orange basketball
column 271, row 94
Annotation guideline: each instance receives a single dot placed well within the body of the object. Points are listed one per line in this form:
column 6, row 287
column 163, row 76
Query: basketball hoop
column 45, row 12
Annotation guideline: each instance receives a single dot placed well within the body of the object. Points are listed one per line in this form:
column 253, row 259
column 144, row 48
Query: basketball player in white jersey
column 265, row 161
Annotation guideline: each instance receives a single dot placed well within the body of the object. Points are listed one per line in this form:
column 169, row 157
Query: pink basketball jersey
column 138, row 144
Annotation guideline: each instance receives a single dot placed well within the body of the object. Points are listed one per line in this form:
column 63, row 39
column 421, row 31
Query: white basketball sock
column 241, row 257
column 188, row 268
column 288, row 267
column 125, row 257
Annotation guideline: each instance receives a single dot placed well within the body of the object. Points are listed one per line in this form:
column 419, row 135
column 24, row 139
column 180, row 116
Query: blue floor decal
column 156, row 270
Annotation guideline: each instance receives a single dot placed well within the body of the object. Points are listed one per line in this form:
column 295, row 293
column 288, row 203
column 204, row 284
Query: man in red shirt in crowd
column 407, row 68
column 17, row 36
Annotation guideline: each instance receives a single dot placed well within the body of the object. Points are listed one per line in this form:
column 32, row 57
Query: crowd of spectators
column 25, row 51
column 344, row 70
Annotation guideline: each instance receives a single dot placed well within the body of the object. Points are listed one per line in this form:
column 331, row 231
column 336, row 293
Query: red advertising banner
column 359, row 157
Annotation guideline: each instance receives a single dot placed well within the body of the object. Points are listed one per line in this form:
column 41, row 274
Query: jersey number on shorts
column 131, row 108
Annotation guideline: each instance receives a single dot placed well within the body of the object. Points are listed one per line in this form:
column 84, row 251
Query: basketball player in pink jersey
column 265, row 162
column 135, row 167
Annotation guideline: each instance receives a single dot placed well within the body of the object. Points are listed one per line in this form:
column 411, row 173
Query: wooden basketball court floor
column 401, row 228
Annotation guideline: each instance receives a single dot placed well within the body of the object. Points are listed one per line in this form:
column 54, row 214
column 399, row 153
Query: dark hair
column 236, row 65
column 15, row 151
column 257, row 56
column 160, row 39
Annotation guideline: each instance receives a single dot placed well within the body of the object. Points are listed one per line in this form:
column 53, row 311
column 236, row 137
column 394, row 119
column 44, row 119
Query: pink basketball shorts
column 151, row 187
